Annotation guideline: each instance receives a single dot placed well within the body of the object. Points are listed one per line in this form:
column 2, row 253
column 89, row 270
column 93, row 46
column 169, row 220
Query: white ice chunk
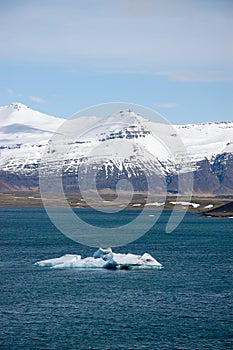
column 103, row 258
column 129, row 261
column 123, row 259
column 65, row 259
column 102, row 252
column 91, row 262
column 147, row 259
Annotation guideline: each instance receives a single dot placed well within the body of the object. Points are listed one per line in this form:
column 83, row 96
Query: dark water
column 187, row 305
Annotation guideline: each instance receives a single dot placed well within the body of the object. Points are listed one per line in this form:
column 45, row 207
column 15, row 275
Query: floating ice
column 101, row 252
column 103, row 258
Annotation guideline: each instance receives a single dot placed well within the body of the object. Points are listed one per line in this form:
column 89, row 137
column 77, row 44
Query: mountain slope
column 20, row 123
column 123, row 146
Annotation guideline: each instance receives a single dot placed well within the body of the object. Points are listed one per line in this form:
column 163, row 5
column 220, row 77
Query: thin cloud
column 112, row 34
column 201, row 77
column 10, row 91
column 197, row 77
column 13, row 93
column 37, row 99
column 165, row 105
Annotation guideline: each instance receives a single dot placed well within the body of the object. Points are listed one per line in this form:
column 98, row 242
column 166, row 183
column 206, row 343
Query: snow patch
column 194, row 205
column 209, row 206
column 156, row 204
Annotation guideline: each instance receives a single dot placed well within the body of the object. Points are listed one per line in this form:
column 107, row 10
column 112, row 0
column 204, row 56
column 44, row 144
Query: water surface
column 186, row 305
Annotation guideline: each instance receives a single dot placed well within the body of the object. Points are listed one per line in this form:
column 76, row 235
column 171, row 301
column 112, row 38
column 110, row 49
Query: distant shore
column 225, row 210
column 209, row 206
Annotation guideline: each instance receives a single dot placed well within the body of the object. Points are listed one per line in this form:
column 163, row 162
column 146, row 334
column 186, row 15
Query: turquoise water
column 186, row 305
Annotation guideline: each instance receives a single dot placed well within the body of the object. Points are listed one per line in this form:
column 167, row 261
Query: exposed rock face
column 215, row 179
column 141, row 160
column 223, row 169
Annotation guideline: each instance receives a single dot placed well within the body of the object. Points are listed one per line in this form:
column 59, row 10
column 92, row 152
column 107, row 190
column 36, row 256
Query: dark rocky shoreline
column 225, row 210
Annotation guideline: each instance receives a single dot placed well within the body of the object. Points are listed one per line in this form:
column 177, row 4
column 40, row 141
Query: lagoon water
column 187, row 305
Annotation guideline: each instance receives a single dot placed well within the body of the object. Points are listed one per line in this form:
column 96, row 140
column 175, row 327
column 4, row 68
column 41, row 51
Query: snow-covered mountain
column 123, row 145
column 20, row 123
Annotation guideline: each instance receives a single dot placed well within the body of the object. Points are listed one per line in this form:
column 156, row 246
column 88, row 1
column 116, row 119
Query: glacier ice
column 103, row 258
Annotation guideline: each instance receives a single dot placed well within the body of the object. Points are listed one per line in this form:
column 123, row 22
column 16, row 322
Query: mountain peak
column 127, row 116
column 147, row 148
column 17, row 106
column 127, row 113
column 18, row 119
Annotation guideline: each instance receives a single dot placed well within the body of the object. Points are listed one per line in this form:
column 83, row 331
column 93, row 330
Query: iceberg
column 103, row 258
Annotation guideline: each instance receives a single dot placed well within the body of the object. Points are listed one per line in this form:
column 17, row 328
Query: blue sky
column 175, row 57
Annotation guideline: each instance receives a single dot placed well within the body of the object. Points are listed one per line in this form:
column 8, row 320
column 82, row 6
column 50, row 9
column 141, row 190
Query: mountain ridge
column 139, row 145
